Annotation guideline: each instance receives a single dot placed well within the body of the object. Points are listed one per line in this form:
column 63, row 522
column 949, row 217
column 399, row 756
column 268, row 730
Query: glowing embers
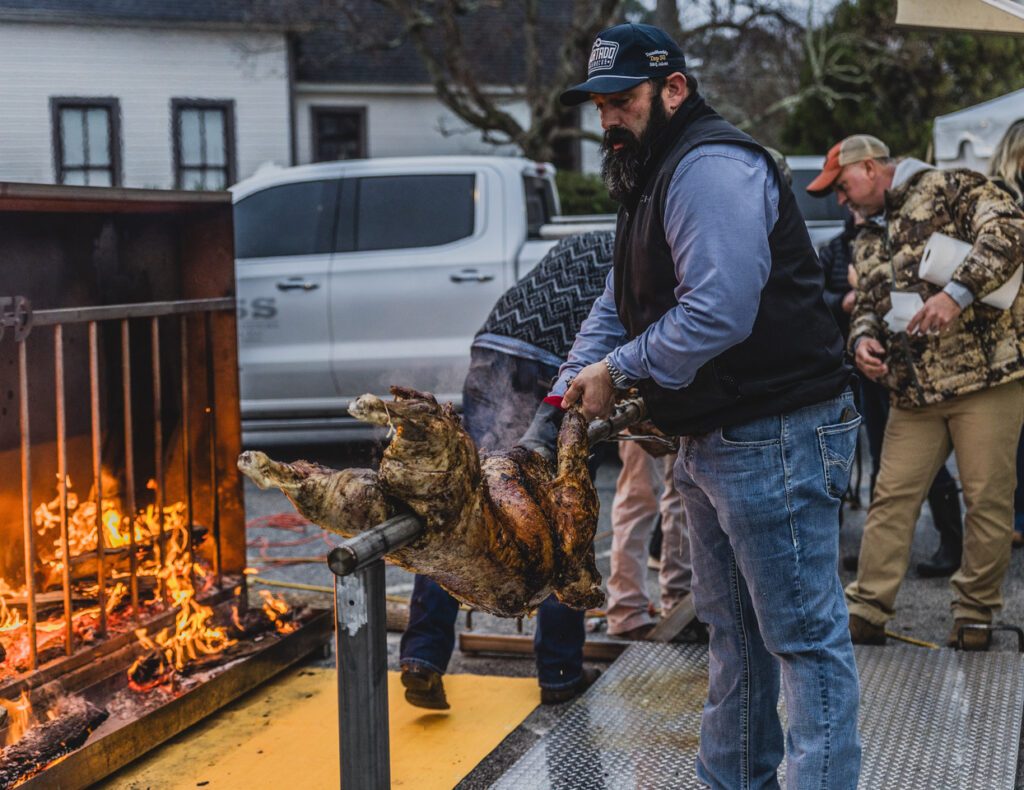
column 278, row 612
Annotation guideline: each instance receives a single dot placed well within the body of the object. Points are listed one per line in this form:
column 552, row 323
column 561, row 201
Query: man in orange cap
column 953, row 365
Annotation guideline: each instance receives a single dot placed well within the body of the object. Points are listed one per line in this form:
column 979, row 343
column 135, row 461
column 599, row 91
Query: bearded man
column 714, row 310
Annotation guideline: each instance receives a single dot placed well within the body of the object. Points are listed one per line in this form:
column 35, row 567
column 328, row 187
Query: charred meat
column 502, row 530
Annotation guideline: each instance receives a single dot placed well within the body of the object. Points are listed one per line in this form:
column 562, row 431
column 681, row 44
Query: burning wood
column 169, row 571
column 162, row 662
column 67, row 729
column 502, row 530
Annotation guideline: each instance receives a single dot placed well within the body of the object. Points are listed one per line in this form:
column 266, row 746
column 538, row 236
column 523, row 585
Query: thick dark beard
column 620, row 168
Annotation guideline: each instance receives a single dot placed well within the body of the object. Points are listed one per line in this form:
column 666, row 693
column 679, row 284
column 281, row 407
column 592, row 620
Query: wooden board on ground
column 673, row 623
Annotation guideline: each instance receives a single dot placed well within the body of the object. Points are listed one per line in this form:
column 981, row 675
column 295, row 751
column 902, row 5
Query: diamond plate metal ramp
column 929, row 719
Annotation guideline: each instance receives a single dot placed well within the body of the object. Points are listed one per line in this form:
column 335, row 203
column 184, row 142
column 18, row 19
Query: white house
column 166, row 95
column 198, row 95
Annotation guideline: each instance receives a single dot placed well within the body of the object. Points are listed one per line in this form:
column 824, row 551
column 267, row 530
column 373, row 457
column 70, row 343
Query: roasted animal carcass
column 502, row 531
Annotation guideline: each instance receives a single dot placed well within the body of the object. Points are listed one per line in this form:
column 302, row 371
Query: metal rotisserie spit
column 122, row 530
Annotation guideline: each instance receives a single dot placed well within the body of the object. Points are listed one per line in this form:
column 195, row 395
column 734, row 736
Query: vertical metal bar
column 158, row 452
column 28, row 532
column 97, row 471
column 362, row 655
column 129, row 463
column 211, row 410
column 62, row 483
column 186, row 448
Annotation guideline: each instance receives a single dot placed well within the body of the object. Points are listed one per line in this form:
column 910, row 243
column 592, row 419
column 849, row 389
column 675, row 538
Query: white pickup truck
column 356, row 275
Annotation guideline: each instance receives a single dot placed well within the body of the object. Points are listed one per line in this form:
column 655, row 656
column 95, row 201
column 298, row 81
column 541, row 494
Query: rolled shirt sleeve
column 721, row 206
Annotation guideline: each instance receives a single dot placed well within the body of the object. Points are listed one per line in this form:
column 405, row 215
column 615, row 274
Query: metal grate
column 928, row 719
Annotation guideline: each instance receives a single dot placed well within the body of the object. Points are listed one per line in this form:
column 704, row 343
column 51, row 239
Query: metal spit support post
column 361, row 631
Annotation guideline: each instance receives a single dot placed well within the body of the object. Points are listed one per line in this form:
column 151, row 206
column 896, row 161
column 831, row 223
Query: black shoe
column 558, row 696
column 423, row 687
column 695, row 633
column 850, row 562
column 945, row 507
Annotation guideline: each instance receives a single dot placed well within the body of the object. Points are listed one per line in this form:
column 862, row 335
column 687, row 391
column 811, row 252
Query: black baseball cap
column 624, row 56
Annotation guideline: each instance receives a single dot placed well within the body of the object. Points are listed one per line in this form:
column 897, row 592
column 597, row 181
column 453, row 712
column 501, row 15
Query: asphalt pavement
column 275, row 532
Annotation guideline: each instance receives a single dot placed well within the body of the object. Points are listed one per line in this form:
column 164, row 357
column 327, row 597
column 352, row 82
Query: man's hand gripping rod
column 366, row 547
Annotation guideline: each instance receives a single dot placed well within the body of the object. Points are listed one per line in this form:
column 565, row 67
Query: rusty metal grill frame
column 59, row 318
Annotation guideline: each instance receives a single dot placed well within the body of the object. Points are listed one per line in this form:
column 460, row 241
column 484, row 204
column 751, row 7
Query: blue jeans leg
column 762, row 501
column 558, row 644
column 429, row 638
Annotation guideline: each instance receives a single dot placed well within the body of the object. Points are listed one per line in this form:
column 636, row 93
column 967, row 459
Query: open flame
column 275, row 609
column 19, row 713
column 177, row 575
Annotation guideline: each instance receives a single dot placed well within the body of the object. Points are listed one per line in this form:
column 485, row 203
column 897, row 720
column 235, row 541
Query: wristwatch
column 619, row 380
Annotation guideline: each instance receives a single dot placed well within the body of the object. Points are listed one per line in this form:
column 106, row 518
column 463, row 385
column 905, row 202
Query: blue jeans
column 500, row 396
column 430, row 636
column 762, row 500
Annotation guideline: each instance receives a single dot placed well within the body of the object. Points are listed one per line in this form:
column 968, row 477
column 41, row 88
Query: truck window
column 813, row 208
column 396, row 212
column 291, row 219
column 540, row 204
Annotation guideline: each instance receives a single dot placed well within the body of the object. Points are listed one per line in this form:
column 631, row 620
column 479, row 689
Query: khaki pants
column 645, row 487
column 982, row 428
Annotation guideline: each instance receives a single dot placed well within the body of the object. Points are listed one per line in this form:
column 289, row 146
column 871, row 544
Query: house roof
column 233, row 13
column 493, row 39
column 344, row 41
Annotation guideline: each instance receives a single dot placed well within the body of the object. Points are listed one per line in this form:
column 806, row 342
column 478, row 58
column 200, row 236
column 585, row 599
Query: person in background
column 873, row 402
column 1006, row 169
column 954, row 371
column 513, row 359
column 714, row 311
column 644, row 491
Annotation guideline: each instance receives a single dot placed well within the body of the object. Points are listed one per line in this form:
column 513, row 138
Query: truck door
column 283, row 239
column 423, row 269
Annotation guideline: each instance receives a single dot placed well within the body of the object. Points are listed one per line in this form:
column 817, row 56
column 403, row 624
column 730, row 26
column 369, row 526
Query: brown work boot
column 558, row 696
column 974, row 638
column 423, row 687
column 863, row 632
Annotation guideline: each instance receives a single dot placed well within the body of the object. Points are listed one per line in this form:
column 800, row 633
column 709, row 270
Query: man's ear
column 675, row 91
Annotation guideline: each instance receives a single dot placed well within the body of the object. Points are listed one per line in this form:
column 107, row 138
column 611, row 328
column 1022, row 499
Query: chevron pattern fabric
column 546, row 308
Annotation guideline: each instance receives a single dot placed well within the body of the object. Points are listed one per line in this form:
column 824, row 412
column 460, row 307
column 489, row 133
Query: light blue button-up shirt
column 721, row 205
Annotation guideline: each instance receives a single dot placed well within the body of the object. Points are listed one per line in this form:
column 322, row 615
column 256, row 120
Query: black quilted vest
column 793, row 356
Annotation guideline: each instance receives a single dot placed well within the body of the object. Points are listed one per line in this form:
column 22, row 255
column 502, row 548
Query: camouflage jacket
column 984, row 346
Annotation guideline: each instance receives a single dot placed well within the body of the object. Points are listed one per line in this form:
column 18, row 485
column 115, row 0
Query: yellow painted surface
column 284, row 735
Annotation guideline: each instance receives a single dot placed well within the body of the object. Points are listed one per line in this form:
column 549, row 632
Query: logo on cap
column 602, row 56
column 657, row 57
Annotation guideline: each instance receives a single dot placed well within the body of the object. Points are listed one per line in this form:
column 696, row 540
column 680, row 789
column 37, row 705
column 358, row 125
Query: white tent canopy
column 988, row 16
column 967, row 138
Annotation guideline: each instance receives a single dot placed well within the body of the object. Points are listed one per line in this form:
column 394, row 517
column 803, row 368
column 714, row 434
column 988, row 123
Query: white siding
column 144, row 70
column 410, row 121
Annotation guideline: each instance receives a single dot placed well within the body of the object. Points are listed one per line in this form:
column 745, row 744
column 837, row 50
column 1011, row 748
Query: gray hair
column 1007, row 162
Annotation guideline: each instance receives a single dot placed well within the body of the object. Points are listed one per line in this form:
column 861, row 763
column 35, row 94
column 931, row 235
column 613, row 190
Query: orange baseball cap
column 855, row 148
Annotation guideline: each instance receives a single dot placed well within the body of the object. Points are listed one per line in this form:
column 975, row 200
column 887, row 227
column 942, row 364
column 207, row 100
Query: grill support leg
column 362, row 656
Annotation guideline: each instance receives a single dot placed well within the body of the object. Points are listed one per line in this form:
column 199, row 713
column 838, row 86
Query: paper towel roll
column 944, row 254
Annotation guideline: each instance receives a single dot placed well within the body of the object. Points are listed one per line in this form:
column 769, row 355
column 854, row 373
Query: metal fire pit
column 118, row 370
